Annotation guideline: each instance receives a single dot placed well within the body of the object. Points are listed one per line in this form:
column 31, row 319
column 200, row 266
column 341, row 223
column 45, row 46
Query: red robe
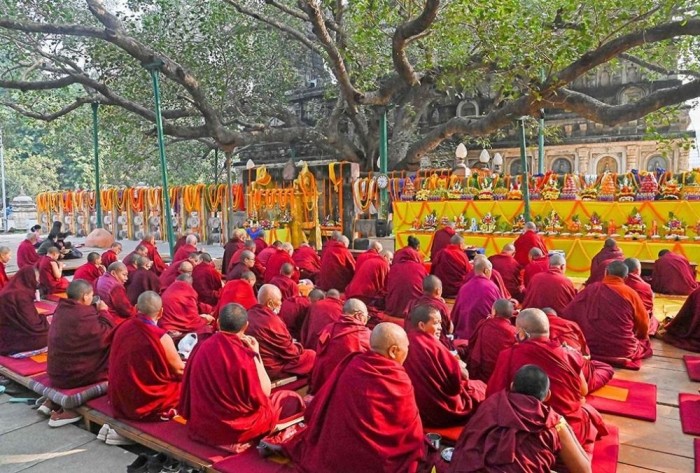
column 138, row 361
column 264, row 255
column 258, row 269
column 293, row 312
column 549, row 289
column 169, row 276
column 47, row 281
column 451, row 266
column 381, row 427
column 3, row 275
column 275, row 263
column 286, row 285
column 473, row 304
column 321, row 313
column 140, row 281
column 260, row 244
column 538, row 265
column 365, row 256
column 109, row 257
column 440, row 306
column 280, row 354
column 405, row 282
column 230, row 248
column 497, row 280
column 179, row 243
column 22, row 328
column 26, row 254
column 79, row 342
column 237, row 271
column 510, row 433
column 614, row 321
column 490, row 337
column 153, row 254
column 511, row 272
column 308, row 262
column 181, row 310
column 684, row 330
column 337, row 340
column 643, row 288
column 601, row 261
column 88, row 272
column 369, row 282
column 113, row 293
column 443, row 396
column 673, row 275
column 183, row 253
column 337, row 267
column 238, row 291
column 441, row 239
column 524, row 244
column 206, row 281
column 564, row 369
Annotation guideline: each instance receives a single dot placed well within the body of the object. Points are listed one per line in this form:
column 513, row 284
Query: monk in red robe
column 110, row 288
column 51, row 280
column 307, row 260
column 413, row 249
column 515, row 430
column 186, row 266
column 280, row 354
column 149, row 242
column 673, row 275
column 5, row 255
column 381, row 427
column 609, row 253
column 92, row 270
column 182, row 238
column 451, row 266
column 278, row 259
column 141, row 280
column 539, row 263
column 295, row 310
column 239, row 291
column 181, row 309
column 321, row 313
column 184, row 251
column 510, row 270
column 144, row 359
column 405, row 281
column 441, row 239
column 246, row 263
column 444, row 394
column 432, row 296
column 474, row 300
column 227, row 396
column 26, row 251
column 206, row 280
column 264, row 255
column 285, row 283
column 374, row 251
column 495, row 278
column 338, row 340
column 527, row 241
column 257, row 267
column 337, row 266
column 370, row 280
column 233, row 245
column 21, row 326
column 551, row 288
column 564, row 369
column 260, row 244
column 130, row 259
column 613, row 319
column 112, row 254
column 643, row 288
column 684, row 330
column 491, row 336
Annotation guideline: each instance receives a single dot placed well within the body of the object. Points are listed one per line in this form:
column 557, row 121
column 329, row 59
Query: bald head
column 557, row 260
column 31, row 236
column 141, row 250
column 247, row 256
column 269, row 293
column 432, row 286
column 610, row 243
column 617, row 268
column 375, row 245
column 634, row 266
column 534, row 322
column 195, row 258
column 78, row 290
column 191, row 240
column 248, row 276
column 250, row 245
column 277, row 244
column 53, row 251
column 482, row 266
column 205, row 257
column 287, row 270
column 185, row 267
column 117, row 266
column 535, row 253
column 233, row 318
column 335, row 235
column 345, row 241
column 149, row 304
column 316, row 295
column 530, row 227
column 549, row 311
column 503, row 308
column 390, row 341
column 288, row 248
column 456, row 240
column 238, row 234
column 356, row 309
column 185, row 277
column 531, row 380
column 141, row 261
column 413, row 242
column 508, row 249
column 333, row 294
column 387, row 255
column 664, row 252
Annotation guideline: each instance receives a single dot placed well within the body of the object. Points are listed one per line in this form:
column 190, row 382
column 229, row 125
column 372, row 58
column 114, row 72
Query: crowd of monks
column 385, row 357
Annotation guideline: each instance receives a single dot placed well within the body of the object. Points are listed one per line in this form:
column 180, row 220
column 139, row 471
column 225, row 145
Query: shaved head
column 287, row 270
column 634, row 266
column 345, row 241
column 663, row 252
column 233, row 318
column 530, row 227
column 149, row 304
column 187, row 277
column 482, row 265
column 456, row 240
column 336, row 235
column 617, row 268
column 387, row 255
column 508, row 249
column 534, row 322
column 375, row 245
column 247, row 255
column 140, row 261
column 390, row 341
column 277, row 244
column 78, row 288
column 356, row 309
column 531, row 380
column 549, row 311
column 503, row 308
column 141, row 250
column 117, row 266
column 31, row 236
column 92, row 256
column 422, row 313
column 610, row 243
column 535, row 253
column 205, row 257
column 316, row 295
column 195, row 258
column 413, row 242
column 185, row 267
column 333, row 294
column 250, row 245
column 248, row 276
column 53, row 251
column 288, row 248
column 191, row 240
column 557, row 260
column 432, row 285
column 269, row 292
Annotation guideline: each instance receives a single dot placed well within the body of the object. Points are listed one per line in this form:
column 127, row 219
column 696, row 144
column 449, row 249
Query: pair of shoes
column 113, row 438
column 140, row 465
column 161, row 462
column 63, row 417
column 45, row 406
column 102, row 434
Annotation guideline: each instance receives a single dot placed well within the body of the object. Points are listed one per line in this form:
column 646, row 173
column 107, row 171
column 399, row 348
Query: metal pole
column 383, row 159
column 96, row 144
column 216, row 166
column 2, row 177
column 154, row 69
column 540, row 144
column 229, row 195
column 525, row 173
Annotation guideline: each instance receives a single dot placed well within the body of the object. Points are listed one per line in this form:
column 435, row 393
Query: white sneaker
column 45, row 407
column 102, row 434
column 113, row 438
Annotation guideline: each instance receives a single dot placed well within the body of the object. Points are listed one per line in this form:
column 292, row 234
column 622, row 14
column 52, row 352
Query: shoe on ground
column 113, row 438
column 46, row 406
column 172, row 466
column 102, row 434
column 159, row 461
column 64, row 417
column 140, row 465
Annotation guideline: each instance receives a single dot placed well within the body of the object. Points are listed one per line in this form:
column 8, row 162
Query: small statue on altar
column 635, row 228
column 550, row 191
column 607, row 188
column 488, row 223
column 409, row 191
column 574, row 226
column 514, row 193
column 627, row 193
column 461, row 222
column 671, row 190
column 474, row 227
column 552, row 223
column 518, row 224
column 648, row 187
column 594, row 228
column 430, row 221
column 675, row 229
column 655, row 230
column 612, row 228
column 486, row 193
column 416, row 224
column 569, row 190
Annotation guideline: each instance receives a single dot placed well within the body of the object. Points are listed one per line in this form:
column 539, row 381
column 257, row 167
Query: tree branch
column 403, row 35
column 38, row 85
column 47, row 117
column 656, row 68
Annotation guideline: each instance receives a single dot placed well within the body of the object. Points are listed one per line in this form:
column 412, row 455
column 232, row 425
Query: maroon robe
column 441, row 239
column 600, row 262
column 153, row 254
column 684, row 330
column 405, row 282
column 140, row 281
column 369, row 282
column 26, row 254
column 308, row 262
column 47, row 281
column 181, row 309
column 293, row 312
column 206, row 281
column 321, row 313
column 275, row 263
column 365, row 256
column 496, row 279
column 439, row 305
column 183, row 253
column 643, row 288
column 451, row 266
column 549, row 289
column 490, row 337
column 258, row 269
column 381, row 427
column 237, row 271
column 473, row 304
column 337, row 267
column 109, row 257
column 537, row 265
column 138, row 361
column 179, row 243
column 113, row 293
column 264, row 255
column 89, row 272
column 281, row 356
column 238, row 291
column 524, row 244
column 169, row 276
column 3, row 275
column 260, row 244
column 286, row 285
column 22, row 328
column 230, row 248
column 511, row 272
column 79, row 341
column 673, row 275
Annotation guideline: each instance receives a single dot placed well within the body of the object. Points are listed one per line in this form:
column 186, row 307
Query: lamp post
column 540, row 144
column 5, row 225
column 523, row 163
column 96, row 146
column 383, row 160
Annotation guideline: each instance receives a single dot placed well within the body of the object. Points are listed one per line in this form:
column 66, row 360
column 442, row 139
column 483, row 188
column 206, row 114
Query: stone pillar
column 683, row 159
column 632, row 159
column 583, row 156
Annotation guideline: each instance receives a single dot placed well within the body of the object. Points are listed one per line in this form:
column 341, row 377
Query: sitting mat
column 606, row 451
column 689, row 407
column 639, row 402
column 66, row 398
column 23, row 366
column 692, row 365
column 250, row 460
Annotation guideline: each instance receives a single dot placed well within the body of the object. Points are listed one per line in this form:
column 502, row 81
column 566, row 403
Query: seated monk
column 51, row 280
column 184, row 251
column 551, row 288
column 280, row 354
column 92, row 270
column 22, row 328
column 245, row 263
column 526, row 242
column 234, row 244
column 491, row 336
column 206, row 280
column 227, row 396
column 643, row 288
column 264, row 255
column 673, row 275
column 613, row 319
column 339, row 339
column 181, row 309
column 144, row 359
column 510, row 270
column 374, row 251
column 130, row 259
column 609, row 253
column 495, row 278
column 321, row 313
column 432, row 296
column 257, row 268
column 239, row 291
column 684, row 330
column 405, row 281
column 444, row 394
column 285, row 283
column 451, row 266
column 369, row 282
column 307, row 260
column 5, row 255
column 149, row 242
column 26, row 251
column 564, row 369
column 337, row 265
column 441, row 239
column 381, row 427
column 260, row 243
column 475, row 300
column 110, row 288
column 186, row 266
column 413, row 248
column 539, row 263
column 141, row 280
column 280, row 257
column 79, row 343
column 295, row 310
column 112, row 254
column 515, row 430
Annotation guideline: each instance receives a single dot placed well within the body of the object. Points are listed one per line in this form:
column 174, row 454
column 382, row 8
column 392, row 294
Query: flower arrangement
column 635, row 227
column 488, row 223
column 594, row 227
column 675, row 229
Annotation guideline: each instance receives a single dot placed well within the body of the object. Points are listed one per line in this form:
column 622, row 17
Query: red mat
column 696, row 444
column 606, row 451
column 627, row 399
column 689, row 406
column 692, row 365
column 23, row 366
column 45, row 307
column 251, row 461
